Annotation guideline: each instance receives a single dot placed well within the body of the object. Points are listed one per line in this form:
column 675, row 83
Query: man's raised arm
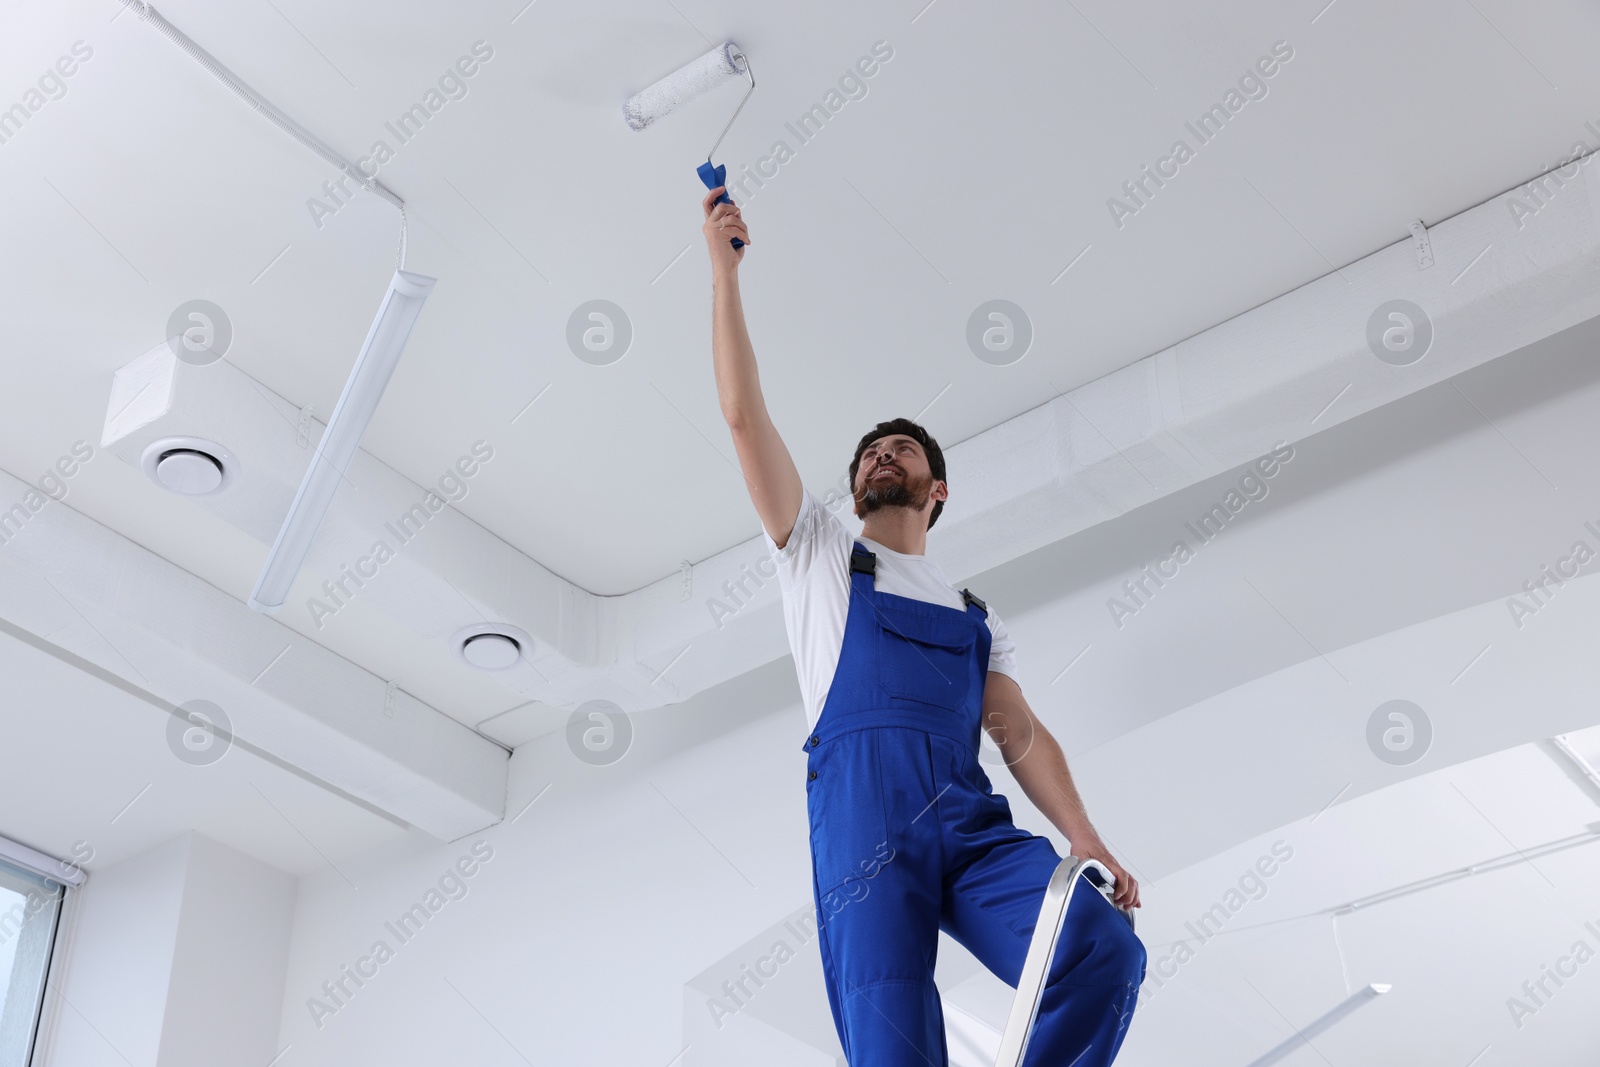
column 769, row 471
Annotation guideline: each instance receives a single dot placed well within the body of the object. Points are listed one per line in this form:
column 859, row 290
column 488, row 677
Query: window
column 30, row 906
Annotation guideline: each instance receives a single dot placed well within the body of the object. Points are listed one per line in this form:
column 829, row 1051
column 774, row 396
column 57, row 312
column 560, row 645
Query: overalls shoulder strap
column 864, row 570
column 905, row 662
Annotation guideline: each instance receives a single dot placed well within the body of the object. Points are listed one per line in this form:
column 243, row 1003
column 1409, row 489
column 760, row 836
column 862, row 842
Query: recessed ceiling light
column 192, row 466
column 491, row 646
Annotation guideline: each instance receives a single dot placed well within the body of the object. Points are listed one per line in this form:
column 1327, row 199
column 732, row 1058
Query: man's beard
column 907, row 491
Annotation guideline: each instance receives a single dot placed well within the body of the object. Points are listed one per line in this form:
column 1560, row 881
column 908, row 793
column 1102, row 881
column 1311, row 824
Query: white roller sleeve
column 664, row 97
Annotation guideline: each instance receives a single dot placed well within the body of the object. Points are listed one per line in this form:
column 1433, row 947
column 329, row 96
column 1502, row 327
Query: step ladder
column 1042, row 950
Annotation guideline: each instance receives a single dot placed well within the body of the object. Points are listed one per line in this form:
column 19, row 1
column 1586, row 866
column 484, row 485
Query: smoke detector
column 491, row 646
column 192, row 466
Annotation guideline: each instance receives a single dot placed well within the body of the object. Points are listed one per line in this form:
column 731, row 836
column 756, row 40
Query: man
column 898, row 670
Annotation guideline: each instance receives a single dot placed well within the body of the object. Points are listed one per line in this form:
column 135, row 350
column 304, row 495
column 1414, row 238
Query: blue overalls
column 908, row 838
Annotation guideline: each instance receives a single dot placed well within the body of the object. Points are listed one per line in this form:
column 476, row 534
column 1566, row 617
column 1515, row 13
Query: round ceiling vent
column 192, row 466
column 492, row 652
column 491, row 646
column 189, row 471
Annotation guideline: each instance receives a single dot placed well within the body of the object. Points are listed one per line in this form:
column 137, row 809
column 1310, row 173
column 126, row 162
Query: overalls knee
column 908, row 837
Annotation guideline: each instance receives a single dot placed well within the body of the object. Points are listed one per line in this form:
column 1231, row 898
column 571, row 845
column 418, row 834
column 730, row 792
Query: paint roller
column 723, row 63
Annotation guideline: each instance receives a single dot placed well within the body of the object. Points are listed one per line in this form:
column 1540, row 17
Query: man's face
column 894, row 473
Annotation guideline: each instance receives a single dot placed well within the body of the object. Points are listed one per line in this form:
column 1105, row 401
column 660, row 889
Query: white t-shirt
column 814, row 574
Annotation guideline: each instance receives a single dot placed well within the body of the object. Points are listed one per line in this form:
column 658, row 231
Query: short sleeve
column 814, row 573
column 817, row 534
column 1002, row 650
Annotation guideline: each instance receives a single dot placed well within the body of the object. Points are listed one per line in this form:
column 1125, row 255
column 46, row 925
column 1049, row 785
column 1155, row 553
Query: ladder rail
column 1042, row 951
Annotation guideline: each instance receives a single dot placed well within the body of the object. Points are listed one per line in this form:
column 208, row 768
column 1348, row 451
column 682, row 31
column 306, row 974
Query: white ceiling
column 1382, row 532
column 89, row 764
column 1447, row 499
column 978, row 165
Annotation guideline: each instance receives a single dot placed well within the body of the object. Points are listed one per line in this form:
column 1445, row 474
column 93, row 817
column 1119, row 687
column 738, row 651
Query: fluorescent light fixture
column 1576, row 757
column 1510, row 859
column 1304, row 1035
column 368, row 379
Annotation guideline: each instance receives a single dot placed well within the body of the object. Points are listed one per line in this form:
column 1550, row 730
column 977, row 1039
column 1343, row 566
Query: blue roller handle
column 713, row 177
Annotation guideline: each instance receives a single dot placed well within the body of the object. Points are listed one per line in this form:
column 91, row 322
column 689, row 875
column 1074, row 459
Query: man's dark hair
column 922, row 437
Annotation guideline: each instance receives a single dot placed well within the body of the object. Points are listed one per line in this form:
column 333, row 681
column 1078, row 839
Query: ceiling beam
column 86, row 589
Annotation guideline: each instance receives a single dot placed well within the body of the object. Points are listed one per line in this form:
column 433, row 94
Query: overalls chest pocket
column 923, row 658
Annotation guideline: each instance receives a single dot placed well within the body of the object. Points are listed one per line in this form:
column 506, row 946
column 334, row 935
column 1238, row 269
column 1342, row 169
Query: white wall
column 572, row 944
column 120, row 960
column 228, row 968
column 176, row 960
